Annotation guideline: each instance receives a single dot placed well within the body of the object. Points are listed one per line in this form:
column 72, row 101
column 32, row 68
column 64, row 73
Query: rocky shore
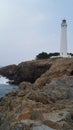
column 44, row 99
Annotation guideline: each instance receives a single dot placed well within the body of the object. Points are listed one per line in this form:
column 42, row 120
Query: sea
column 5, row 87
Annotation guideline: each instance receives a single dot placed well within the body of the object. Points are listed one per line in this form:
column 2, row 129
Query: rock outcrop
column 44, row 98
column 8, row 71
column 25, row 71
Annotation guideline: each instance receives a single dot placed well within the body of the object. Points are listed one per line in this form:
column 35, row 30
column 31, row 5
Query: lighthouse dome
column 64, row 24
column 64, row 20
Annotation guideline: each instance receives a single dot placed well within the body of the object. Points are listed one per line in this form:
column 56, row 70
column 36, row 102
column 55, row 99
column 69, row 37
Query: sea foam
column 4, row 80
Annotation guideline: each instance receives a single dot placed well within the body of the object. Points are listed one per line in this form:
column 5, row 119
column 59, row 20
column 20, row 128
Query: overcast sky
column 29, row 27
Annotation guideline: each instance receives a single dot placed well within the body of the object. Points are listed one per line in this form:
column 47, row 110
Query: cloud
column 3, row 14
column 25, row 27
column 28, row 27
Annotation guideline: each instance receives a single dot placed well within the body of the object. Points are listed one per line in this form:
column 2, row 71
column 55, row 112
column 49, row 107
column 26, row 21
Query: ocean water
column 5, row 87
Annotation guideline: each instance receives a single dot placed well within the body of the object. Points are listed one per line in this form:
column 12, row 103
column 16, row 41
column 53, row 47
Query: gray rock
column 42, row 127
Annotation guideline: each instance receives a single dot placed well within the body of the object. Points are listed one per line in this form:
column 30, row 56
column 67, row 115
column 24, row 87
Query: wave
column 4, row 89
column 4, row 80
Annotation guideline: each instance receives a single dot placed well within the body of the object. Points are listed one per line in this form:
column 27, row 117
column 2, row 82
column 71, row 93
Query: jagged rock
column 37, row 115
column 39, row 97
column 24, row 88
column 48, row 100
column 57, row 92
column 25, row 85
column 59, row 68
column 13, row 93
column 21, row 94
column 9, row 71
column 66, row 126
column 30, row 71
column 38, row 71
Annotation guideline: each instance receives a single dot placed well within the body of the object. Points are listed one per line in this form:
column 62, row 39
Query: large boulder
column 30, row 71
column 60, row 67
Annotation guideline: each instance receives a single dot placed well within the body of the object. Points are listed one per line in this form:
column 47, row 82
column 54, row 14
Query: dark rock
column 30, row 71
column 8, row 71
column 37, row 115
column 71, row 72
column 25, row 71
column 1, row 99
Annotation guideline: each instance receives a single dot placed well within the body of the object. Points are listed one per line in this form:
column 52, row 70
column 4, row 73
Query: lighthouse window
column 64, row 21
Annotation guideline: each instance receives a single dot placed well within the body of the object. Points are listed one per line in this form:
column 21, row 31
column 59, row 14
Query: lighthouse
column 63, row 46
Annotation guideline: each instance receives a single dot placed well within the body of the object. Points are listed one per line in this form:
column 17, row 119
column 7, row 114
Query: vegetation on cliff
column 45, row 55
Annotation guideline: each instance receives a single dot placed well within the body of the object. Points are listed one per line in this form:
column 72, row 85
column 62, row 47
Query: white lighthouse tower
column 63, row 46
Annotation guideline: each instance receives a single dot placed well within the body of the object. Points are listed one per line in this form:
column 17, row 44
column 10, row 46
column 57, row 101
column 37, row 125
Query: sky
column 29, row 27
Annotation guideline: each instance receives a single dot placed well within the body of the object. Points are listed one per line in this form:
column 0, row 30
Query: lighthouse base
column 65, row 56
